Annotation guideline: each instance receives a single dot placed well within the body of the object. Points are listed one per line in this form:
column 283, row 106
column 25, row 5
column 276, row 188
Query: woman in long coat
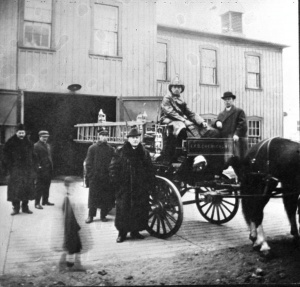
column 133, row 177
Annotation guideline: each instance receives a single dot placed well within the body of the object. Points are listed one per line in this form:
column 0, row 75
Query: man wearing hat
column 45, row 168
column 19, row 162
column 101, row 193
column 232, row 123
column 175, row 113
column 133, row 177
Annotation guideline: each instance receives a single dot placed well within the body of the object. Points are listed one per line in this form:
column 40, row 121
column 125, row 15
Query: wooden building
column 123, row 61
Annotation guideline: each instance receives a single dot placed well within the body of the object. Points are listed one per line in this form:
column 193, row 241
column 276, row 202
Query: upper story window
column 253, row 71
column 254, row 130
column 232, row 22
column 37, row 25
column 106, row 29
column 162, row 61
column 208, row 66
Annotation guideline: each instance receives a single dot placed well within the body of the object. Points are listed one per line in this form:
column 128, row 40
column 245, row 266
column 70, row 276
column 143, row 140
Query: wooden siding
column 8, row 44
column 69, row 61
column 206, row 99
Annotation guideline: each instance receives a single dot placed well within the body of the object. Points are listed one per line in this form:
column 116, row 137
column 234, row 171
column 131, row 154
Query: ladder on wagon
column 117, row 131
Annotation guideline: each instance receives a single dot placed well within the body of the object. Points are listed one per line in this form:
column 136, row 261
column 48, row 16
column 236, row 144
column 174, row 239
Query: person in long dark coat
column 232, row 123
column 20, row 162
column 101, row 194
column 45, row 168
column 132, row 174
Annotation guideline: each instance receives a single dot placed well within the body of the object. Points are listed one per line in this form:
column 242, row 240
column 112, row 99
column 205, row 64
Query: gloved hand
column 219, row 124
column 235, row 138
column 188, row 123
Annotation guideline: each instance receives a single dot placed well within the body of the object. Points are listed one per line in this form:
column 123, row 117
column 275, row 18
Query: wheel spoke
column 224, row 215
column 226, row 201
column 163, row 226
column 208, row 208
column 153, row 221
column 168, row 222
column 158, row 224
column 171, row 217
column 225, row 206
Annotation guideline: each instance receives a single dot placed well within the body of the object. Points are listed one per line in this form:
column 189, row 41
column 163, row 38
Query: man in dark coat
column 101, row 194
column 19, row 162
column 45, row 167
column 175, row 113
column 132, row 175
column 232, row 123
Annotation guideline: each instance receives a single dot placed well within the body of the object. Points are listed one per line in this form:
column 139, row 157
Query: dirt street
column 240, row 265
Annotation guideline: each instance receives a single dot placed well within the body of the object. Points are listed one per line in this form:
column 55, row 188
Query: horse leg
column 261, row 240
column 290, row 204
column 258, row 219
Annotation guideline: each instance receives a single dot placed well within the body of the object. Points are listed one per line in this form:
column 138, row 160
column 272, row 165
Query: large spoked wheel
column 166, row 214
column 215, row 207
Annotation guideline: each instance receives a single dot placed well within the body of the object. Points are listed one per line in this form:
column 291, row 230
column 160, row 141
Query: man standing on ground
column 132, row 175
column 232, row 123
column 45, row 168
column 101, row 194
column 19, row 162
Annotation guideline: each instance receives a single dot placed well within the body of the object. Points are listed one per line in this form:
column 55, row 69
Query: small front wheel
column 166, row 214
column 216, row 207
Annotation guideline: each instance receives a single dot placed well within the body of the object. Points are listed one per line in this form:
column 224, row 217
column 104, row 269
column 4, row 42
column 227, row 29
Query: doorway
column 58, row 113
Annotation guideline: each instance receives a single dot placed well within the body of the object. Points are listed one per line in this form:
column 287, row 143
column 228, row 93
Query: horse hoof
column 256, row 247
column 252, row 238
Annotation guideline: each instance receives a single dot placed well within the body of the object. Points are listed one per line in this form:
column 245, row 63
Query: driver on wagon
column 175, row 113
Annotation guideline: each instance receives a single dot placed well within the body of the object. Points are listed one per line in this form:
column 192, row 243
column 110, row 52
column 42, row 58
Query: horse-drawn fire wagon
column 271, row 168
column 199, row 168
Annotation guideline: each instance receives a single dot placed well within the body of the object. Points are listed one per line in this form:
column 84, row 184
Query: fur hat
column 133, row 132
column 176, row 82
column 228, row 95
column 20, row 127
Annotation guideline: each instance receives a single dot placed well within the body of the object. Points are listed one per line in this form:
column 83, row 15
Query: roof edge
column 220, row 36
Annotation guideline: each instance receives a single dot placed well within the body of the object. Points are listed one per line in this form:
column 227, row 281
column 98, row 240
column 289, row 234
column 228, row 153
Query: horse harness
column 268, row 176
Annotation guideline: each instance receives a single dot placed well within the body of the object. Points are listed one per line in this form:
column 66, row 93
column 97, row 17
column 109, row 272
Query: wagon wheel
column 166, row 214
column 216, row 208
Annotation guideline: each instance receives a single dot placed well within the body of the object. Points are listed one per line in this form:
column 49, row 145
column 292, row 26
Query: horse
column 267, row 165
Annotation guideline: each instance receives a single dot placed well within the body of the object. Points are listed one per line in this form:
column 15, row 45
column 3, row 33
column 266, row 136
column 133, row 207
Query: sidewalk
column 29, row 242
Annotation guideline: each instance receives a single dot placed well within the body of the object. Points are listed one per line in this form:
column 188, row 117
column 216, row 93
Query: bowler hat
column 20, row 127
column 228, row 95
column 176, row 82
column 44, row 134
column 102, row 131
column 133, row 133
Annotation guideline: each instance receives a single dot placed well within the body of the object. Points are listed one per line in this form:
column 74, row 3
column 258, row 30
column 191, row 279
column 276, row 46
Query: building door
column 58, row 114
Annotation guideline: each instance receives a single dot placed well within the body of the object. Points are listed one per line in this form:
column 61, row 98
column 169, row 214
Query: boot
column 136, row 235
column 90, row 219
column 15, row 211
column 121, row 237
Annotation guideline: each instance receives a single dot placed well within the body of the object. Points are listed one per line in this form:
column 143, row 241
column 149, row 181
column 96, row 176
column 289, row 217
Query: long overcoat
column 20, row 162
column 132, row 174
column 45, row 164
column 101, row 193
column 234, row 122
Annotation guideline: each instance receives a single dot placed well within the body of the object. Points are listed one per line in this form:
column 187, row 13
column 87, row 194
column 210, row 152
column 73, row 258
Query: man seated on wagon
column 175, row 113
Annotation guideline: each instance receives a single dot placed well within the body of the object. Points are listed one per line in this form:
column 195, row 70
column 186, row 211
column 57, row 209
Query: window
column 37, row 24
column 105, row 32
column 232, row 22
column 253, row 71
column 208, row 68
column 254, row 131
column 161, row 56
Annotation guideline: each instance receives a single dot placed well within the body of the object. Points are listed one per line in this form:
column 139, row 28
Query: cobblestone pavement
column 28, row 242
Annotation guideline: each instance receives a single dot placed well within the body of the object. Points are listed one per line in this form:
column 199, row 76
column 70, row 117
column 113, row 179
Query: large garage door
column 58, row 114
